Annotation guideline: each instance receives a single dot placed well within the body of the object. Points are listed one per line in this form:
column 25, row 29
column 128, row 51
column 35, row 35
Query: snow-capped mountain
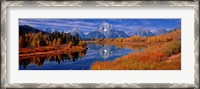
column 141, row 32
column 50, row 30
column 159, row 31
column 80, row 33
column 144, row 32
column 133, row 33
column 107, row 30
column 147, row 32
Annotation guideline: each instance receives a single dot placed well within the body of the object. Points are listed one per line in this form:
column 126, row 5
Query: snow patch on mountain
column 80, row 33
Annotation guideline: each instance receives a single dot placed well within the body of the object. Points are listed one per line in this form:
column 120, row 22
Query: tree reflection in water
column 58, row 58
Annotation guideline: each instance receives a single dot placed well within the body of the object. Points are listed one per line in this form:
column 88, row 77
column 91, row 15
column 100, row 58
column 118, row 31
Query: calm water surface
column 75, row 61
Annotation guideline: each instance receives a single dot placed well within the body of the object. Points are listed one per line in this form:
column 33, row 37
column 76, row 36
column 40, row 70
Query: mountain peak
column 104, row 27
column 75, row 29
column 105, row 24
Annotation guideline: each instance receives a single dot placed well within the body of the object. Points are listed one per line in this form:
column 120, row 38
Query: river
column 75, row 61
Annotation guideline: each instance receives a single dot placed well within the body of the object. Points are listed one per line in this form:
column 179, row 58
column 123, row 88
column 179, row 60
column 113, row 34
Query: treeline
column 41, row 39
column 174, row 35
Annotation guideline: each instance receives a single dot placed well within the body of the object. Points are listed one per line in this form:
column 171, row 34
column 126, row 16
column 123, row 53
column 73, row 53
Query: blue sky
column 88, row 25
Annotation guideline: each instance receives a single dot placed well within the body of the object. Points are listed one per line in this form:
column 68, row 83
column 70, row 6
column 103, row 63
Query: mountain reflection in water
column 76, row 60
column 104, row 51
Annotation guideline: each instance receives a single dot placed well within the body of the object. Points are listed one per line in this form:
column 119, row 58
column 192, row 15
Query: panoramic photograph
column 99, row 44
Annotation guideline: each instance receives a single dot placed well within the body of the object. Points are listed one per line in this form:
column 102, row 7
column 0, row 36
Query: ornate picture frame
column 4, row 69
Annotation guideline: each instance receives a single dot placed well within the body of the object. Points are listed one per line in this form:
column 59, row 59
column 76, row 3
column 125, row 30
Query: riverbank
column 132, row 45
column 47, row 50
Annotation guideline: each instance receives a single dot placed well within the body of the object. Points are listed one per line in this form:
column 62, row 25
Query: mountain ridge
column 28, row 29
column 105, row 30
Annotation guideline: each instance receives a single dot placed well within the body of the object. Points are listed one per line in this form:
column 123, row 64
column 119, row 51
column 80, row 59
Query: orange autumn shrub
column 152, row 58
